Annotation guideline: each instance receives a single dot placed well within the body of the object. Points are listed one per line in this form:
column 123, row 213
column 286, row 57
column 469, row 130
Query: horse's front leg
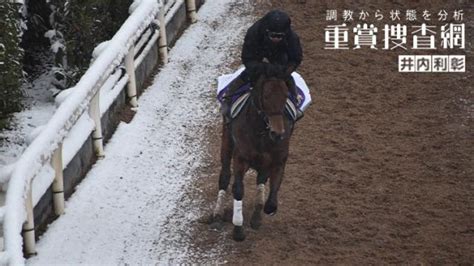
column 256, row 220
column 227, row 147
column 276, row 176
column 240, row 168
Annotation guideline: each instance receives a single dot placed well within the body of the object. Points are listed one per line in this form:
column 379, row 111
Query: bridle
column 261, row 114
column 256, row 101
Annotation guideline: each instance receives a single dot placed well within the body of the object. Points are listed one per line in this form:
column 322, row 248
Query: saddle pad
column 290, row 108
column 302, row 88
column 239, row 104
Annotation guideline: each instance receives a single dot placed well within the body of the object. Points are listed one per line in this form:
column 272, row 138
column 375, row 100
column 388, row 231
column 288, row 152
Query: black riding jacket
column 257, row 46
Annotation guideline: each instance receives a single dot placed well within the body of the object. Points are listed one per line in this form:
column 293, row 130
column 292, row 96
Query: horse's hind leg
column 240, row 168
column 227, row 147
column 256, row 220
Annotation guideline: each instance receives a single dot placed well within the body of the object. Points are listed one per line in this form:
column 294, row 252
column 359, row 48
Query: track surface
column 381, row 167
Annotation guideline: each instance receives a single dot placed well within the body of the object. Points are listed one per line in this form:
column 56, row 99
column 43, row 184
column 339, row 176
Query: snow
column 57, row 128
column 56, row 46
column 42, row 109
column 120, row 212
column 26, row 122
column 172, row 7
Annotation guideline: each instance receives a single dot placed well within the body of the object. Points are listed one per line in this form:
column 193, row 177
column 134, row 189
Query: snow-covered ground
column 120, row 212
column 40, row 107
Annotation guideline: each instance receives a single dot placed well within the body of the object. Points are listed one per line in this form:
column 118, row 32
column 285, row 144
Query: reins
column 260, row 112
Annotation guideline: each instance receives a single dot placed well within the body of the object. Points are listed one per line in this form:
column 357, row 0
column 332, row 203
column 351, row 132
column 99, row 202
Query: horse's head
column 271, row 94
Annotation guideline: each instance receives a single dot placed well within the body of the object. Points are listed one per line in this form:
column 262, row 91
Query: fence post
column 29, row 226
column 162, row 41
column 58, row 183
column 191, row 8
column 132, row 82
column 94, row 113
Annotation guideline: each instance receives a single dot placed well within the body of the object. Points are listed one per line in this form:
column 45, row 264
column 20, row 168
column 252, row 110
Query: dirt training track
column 381, row 166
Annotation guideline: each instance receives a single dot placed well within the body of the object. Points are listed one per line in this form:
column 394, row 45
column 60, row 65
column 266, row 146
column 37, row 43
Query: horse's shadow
column 218, row 225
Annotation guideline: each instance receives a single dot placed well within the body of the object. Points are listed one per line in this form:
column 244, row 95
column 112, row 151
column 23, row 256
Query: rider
column 270, row 47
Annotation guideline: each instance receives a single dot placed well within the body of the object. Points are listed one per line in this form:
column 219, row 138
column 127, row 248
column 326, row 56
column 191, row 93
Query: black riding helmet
column 277, row 22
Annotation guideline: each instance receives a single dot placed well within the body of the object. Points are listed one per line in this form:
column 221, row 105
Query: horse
column 257, row 138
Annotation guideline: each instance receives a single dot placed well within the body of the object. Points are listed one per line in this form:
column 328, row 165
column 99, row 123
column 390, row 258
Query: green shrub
column 73, row 27
column 11, row 74
column 81, row 25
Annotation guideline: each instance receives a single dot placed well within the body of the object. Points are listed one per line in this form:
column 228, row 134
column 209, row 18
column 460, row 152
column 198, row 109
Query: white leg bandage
column 238, row 218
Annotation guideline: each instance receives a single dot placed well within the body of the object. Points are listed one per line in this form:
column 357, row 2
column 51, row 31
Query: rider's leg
column 290, row 82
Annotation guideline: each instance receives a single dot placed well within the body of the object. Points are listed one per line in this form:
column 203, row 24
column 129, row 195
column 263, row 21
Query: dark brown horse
column 257, row 138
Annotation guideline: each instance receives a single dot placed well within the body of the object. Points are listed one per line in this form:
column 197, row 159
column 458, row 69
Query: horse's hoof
column 256, row 221
column 216, row 226
column 255, row 224
column 239, row 234
column 217, row 223
column 270, row 209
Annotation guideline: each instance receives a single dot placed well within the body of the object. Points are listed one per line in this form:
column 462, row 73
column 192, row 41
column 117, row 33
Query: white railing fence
column 81, row 109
